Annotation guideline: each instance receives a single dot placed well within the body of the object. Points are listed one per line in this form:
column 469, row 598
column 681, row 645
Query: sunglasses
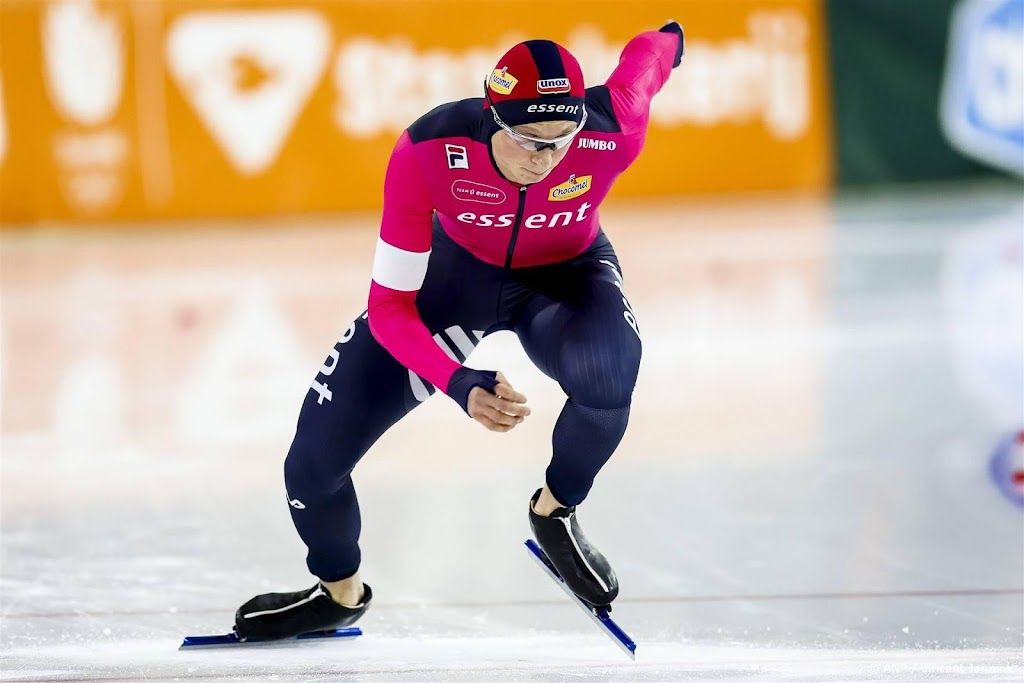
column 532, row 144
column 528, row 142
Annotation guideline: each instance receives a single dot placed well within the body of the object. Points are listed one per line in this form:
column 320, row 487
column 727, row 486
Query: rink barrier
column 117, row 110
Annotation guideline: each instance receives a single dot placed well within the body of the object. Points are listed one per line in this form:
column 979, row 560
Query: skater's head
column 535, row 95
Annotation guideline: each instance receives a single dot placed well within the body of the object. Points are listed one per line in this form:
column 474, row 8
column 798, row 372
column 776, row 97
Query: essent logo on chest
column 536, row 220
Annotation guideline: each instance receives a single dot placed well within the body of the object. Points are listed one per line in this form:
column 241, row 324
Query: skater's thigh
column 358, row 393
column 586, row 338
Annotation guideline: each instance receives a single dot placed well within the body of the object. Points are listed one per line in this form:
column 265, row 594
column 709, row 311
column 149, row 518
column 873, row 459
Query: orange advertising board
column 117, row 110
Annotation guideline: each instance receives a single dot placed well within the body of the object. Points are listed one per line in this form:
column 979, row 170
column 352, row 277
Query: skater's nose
column 542, row 160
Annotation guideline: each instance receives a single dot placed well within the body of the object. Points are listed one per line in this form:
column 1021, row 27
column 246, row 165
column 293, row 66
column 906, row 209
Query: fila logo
column 457, row 156
column 590, row 143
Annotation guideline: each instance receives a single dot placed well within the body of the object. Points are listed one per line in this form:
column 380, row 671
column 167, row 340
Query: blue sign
column 982, row 108
column 1007, row 467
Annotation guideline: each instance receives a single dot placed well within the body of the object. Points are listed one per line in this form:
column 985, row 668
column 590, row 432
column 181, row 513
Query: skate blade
column 599, row 615
column 231, row 639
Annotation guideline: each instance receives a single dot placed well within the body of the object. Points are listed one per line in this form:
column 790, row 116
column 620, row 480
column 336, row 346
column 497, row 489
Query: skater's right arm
column 399, row 268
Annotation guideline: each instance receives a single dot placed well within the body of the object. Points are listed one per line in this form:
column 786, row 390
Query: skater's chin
column 529, row 176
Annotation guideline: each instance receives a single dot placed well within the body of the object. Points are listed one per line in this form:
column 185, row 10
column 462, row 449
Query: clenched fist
column 500, row 411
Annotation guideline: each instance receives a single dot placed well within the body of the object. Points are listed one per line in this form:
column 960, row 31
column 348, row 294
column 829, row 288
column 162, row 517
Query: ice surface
column 803, row 493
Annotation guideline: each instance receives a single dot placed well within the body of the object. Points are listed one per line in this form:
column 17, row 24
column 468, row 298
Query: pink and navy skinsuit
column 462, row 253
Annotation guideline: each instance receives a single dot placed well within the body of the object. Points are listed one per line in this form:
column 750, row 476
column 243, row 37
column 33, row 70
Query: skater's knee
column 313, row 475
column 600, row 376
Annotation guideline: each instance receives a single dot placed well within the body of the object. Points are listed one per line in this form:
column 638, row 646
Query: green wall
column 887, row 59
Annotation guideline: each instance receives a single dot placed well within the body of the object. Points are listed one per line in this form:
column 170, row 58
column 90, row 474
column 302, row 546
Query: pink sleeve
column 399, row 267
column 644, row 67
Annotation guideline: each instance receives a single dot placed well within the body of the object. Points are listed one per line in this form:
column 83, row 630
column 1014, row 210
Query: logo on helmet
column 553, row 108
column 552, row 86
column 501, row 81
column 570, row 189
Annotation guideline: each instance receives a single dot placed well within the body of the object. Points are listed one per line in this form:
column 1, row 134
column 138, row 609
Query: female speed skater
column 490, row 223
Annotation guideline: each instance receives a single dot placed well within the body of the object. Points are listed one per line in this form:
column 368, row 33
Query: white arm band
column 399, row 269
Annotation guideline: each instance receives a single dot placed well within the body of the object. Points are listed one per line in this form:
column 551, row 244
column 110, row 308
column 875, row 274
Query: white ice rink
column 804, row 492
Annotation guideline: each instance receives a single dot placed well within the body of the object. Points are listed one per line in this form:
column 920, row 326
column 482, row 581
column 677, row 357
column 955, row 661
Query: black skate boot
column 582, row 566
column 284, row 615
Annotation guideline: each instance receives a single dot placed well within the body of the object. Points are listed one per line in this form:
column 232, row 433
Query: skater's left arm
column 644, row 67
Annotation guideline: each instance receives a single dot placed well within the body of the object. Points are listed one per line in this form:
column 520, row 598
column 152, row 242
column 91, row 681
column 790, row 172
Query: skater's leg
column 546, row 502
column 582, row 333
column 590, row 343
column 360, row 391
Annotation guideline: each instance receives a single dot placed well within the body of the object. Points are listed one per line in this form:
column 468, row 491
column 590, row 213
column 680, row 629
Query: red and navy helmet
column 538, row 80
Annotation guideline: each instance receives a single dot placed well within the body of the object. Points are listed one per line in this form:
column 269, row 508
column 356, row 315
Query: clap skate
column 578, row 568
column 302, row 615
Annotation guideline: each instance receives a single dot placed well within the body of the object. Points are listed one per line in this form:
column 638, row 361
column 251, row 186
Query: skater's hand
column 500, row 411
column 672, row 26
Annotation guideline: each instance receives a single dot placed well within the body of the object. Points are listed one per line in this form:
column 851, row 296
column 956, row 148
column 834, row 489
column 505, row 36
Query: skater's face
column 525, row 166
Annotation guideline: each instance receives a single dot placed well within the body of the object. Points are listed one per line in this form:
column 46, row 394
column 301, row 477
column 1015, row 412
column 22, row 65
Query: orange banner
column 117, row 110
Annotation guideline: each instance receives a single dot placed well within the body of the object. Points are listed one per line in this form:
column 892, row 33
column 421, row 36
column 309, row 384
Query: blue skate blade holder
column 599, row 615
column 231, row 639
